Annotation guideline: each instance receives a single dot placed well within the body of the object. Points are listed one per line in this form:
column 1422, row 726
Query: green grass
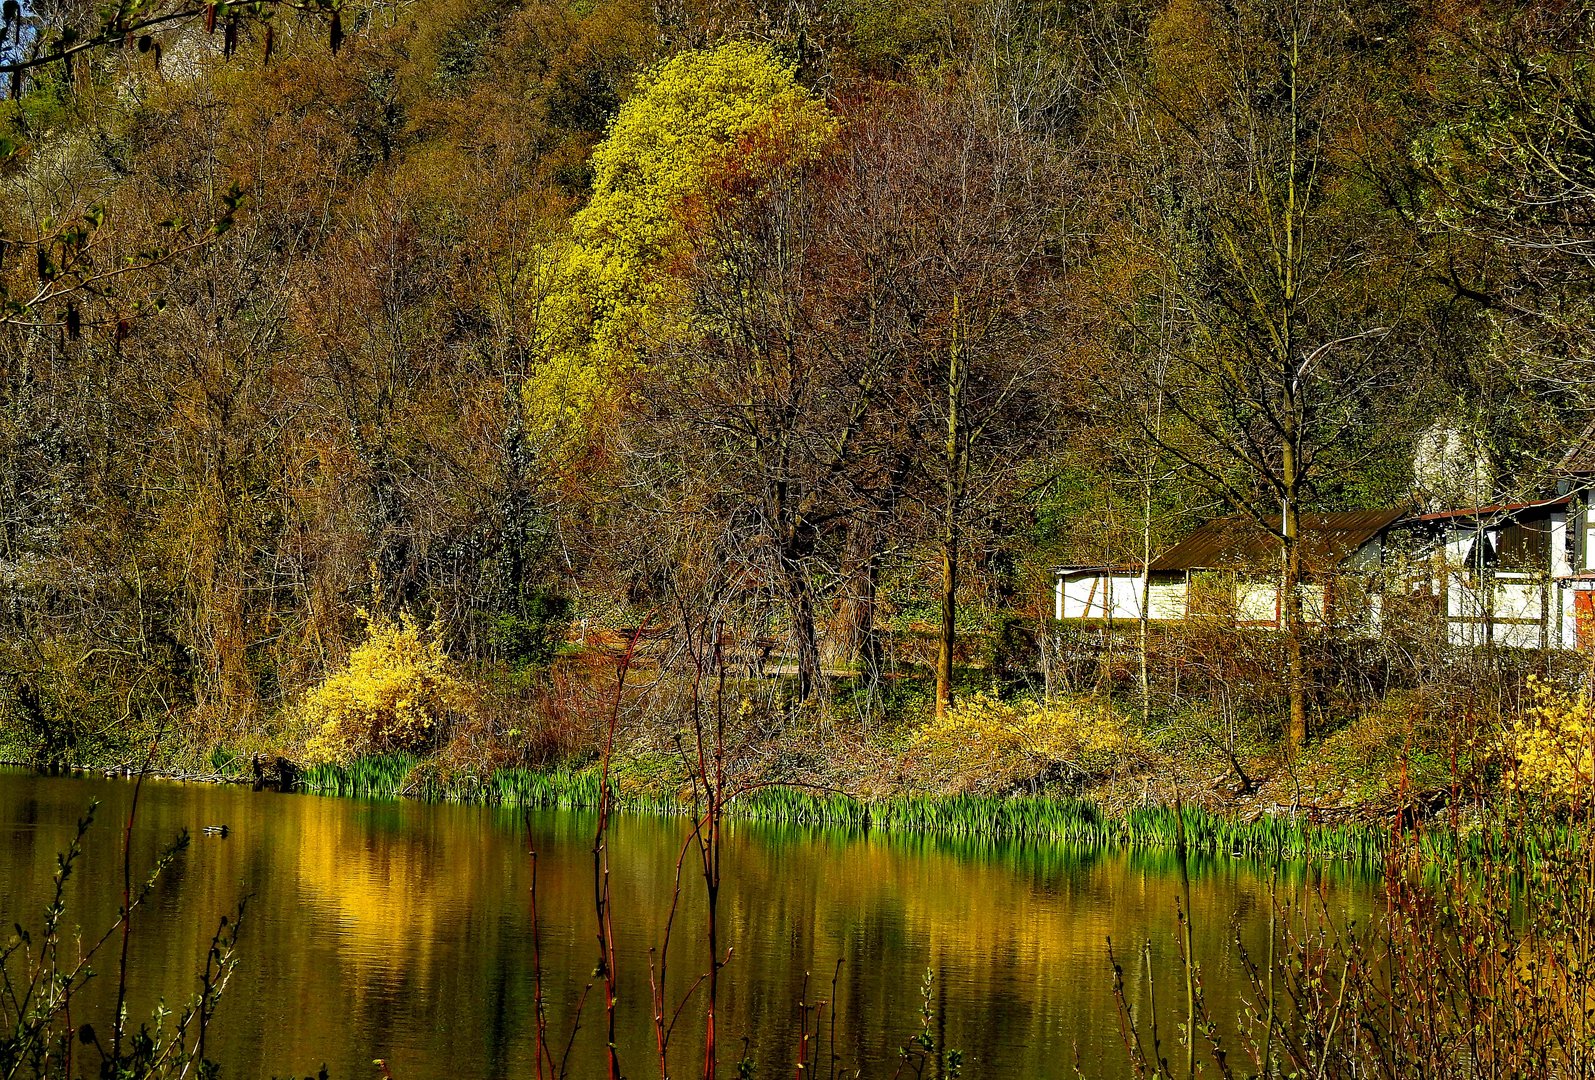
column 1060, row 820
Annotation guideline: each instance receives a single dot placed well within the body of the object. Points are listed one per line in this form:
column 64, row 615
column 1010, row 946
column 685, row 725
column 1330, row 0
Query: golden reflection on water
column 402, row 931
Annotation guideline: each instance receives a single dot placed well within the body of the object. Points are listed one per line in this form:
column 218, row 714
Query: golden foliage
column 610, row 289
column 1553, row 744
column 984, row 743
column 397, row 687
column 1182, row 44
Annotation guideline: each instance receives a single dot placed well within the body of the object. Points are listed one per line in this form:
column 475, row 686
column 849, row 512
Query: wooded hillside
column 810, row 336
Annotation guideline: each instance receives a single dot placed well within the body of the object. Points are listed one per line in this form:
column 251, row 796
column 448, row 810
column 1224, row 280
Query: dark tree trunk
column 853, row 640
column 800, row 608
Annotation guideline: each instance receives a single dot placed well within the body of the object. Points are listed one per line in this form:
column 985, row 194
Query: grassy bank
column 1058, row 818
column 1050, row 819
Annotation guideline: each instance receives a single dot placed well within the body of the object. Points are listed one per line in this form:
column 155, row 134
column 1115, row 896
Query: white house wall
column 1102, row 596
column 1527, row 611
column 1562, row 632
column 1510, row 616
column 1465, row 610
column 1167, row 601
column 1561, row 549
column 1117, row 597
column 1312, row 603
column 1082, row 598
column 1256, row 602
column 1459, row 545
column 1518, row 613
column 1125, row 592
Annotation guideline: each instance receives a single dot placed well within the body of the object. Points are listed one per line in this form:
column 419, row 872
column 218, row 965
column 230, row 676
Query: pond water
column 403, row 931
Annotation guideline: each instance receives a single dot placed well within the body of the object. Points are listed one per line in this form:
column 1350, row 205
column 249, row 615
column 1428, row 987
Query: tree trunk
column 805, row 641
column 1144, row 616
column 953, row 490
column 1290, row 614
column 1291, row 413
column 949, row 620
column 854, row 640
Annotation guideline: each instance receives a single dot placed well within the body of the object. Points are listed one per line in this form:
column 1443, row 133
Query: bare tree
column 765, row 405
column 1282, row 275
column 36, row 35
column 1501, row 149
column 967, row 198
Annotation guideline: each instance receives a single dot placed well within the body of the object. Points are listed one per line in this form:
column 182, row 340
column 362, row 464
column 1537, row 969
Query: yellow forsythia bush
column 1553, row 744
column 396, row 688
column 987, row 744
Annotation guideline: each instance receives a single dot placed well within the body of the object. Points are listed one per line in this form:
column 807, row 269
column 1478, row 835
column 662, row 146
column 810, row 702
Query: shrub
column 529, row 638
column 1552, row 746
column 1471, row 966
column 1411, row 744
column 987, row 744
column 697, row 117
column 393, row 694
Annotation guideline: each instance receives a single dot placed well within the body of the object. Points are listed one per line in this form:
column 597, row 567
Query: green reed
column 379, row 776
column 1053, row 819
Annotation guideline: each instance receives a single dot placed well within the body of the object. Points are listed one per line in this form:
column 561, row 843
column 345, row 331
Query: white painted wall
column 1256, row 602
column 1166, row 601
column 1459, row 544
column 1116, row 596
column 1099, row 596
column 1561, row 562
column 1514, row 610
column 1465, row 607
column 1515, row 602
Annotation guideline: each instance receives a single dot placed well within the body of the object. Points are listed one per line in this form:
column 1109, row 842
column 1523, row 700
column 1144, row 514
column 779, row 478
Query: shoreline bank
column 1061, row 819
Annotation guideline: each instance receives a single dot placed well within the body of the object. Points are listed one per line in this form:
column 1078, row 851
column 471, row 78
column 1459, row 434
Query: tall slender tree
column 1251, row 214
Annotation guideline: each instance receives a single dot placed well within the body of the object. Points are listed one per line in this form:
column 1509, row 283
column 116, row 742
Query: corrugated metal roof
column 1327, row 540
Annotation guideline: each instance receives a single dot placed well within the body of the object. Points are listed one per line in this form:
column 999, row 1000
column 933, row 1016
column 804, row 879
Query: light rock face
column 1452, row 468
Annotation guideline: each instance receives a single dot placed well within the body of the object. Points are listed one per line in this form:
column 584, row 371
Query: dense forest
column 481, row 341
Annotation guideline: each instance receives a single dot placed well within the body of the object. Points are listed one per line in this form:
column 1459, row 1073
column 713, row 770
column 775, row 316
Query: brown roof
column 1326, row 540
column 1493, row 512
column 1580, row 457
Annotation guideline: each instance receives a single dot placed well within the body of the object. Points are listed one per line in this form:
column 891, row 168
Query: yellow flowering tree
column 610, row 287
column 397, row 687
column 986, row 744
column 1552, row 747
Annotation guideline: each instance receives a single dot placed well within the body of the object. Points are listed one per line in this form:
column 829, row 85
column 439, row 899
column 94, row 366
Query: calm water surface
column 403, row 931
